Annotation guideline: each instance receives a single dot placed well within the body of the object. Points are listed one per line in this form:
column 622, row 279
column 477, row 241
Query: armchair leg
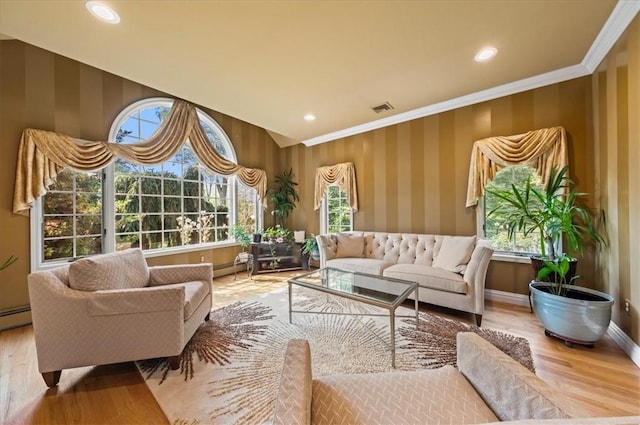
column 174, row 362
column 207, row 317
column 478, row 319
column 52, row 378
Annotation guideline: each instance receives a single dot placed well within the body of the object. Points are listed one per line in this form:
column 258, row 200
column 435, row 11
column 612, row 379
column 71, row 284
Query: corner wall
column 616, row 105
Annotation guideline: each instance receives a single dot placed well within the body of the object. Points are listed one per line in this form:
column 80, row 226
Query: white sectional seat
column 450, row 270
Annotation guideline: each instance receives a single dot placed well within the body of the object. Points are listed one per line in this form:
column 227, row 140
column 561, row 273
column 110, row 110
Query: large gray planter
column 582, row 317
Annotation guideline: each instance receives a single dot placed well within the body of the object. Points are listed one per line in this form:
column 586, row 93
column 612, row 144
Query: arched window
column 174, row 206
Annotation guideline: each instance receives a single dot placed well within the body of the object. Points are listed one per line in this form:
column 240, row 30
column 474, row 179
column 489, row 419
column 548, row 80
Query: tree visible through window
column 494, row 229
column 177, row 203
column 339, row 214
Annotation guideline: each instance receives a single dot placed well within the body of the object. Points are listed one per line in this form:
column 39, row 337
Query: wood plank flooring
column 601, row 381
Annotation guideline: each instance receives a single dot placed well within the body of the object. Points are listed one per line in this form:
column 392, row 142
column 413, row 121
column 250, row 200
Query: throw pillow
column 455, row 253
column 350, row 245
column 118, row 270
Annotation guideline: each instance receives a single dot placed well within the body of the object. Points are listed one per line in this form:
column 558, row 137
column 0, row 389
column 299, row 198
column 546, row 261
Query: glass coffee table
column 369, row 289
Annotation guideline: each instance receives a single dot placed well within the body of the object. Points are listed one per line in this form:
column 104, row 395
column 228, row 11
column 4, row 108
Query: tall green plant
column 284, row 196
column 553, row 212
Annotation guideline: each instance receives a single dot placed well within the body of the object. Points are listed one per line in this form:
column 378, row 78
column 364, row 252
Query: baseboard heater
column 15, row 310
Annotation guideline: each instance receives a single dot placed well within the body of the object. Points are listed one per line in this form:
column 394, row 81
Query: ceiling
column 272, row 62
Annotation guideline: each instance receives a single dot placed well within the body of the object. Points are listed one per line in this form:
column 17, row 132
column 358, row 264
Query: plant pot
column 537, row 263
column 257, row 238
column 581, row 317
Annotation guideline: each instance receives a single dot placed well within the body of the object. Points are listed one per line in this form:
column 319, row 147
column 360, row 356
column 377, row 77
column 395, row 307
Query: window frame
column 108, row 198
column 324, row 213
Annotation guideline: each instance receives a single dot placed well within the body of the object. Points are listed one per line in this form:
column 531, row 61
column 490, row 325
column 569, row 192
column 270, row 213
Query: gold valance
column 344, row 174
column 43, row 154
column 542, row 149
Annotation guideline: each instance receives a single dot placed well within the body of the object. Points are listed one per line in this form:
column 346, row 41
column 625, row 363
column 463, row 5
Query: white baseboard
column 622, row 339
column 506, row 297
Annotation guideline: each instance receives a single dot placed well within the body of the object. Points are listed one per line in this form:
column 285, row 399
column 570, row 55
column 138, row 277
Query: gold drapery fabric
column 542, row 149
column 344, row 174
column 43, row 154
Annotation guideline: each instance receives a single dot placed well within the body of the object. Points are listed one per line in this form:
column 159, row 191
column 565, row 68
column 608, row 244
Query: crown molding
column 530, row 83
column 620, row 18
column 622, row 15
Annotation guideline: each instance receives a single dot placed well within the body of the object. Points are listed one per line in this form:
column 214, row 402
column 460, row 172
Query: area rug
column 229, row 371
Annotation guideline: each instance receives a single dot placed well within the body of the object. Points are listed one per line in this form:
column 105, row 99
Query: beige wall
column 616, row 104
column 43, row 90
column 412, row 177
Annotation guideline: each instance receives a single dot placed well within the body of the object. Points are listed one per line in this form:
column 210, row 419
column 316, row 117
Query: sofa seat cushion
column 117, row 270
column 360, row 265
column 437, row 396
column 428, row 277
column 194, row 293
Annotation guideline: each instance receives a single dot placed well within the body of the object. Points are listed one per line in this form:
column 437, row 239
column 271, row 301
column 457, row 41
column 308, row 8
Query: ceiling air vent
column 381, row 108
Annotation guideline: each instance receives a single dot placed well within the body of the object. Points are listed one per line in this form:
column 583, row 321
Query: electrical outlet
column 627, row 306
column 202, row 258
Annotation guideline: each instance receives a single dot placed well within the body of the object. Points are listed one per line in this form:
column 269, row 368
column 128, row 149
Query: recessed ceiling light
column 485, row 54
column 309, row 117
column 102, row 12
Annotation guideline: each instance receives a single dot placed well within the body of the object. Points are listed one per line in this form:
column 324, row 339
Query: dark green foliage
column 284, row 196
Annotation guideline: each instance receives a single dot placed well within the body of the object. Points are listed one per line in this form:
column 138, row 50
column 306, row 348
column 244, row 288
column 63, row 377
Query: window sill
column 153, row 253
column 510, row 258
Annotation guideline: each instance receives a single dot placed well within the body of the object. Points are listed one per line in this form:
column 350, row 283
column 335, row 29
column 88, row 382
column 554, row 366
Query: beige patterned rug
column 229, row 372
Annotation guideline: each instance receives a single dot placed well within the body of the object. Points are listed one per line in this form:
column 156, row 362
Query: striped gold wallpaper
column 412, row 177
column 616, row 102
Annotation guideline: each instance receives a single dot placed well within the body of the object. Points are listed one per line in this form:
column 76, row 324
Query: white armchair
column 112, row 308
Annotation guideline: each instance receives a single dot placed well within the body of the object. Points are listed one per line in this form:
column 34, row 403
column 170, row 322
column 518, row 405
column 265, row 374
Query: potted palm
column 572, row 313
column 284, row 196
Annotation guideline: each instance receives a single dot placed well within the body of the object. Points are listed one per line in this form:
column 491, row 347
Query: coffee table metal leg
column 392, row 321
column 289, row 302
column 417, row 297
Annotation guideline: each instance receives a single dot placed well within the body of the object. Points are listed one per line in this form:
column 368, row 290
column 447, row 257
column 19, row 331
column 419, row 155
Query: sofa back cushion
column 455, row 253
column 350, row 245
column 118, row 270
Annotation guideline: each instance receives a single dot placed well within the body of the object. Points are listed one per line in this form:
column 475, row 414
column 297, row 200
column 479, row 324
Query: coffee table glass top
column 380, row 290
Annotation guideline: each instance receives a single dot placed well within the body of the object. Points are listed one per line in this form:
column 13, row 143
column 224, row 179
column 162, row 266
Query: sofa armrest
column 167, row 275
column 293, row 403
column 508, row 388
column 327, row 247
column 136, row 301
column 476, row 272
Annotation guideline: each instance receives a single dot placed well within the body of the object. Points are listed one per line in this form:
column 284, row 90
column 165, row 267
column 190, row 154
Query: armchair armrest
column 167, row 275
column 136, row 301
column 293, row 403
column 510, row 390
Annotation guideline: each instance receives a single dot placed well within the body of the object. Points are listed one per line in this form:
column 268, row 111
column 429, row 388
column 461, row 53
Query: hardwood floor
column 600, row 381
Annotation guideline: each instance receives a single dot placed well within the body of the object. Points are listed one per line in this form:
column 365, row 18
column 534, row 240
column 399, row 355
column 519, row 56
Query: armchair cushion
column 424, row 396
column 118, row 270
column 135, row 301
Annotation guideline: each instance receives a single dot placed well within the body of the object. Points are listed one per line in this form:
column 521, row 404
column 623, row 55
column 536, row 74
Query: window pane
column 495, row 228
column 127, row 241
column 172, row 188
column 151, row 186
column 89, row 225
column 89, row 246
column 151, row 204
column 127, row 223
column 64, row 182
column 56, row 226
column 58, row 203
column 58, row 248
column 88, row 204
column 172, row 205
column 151, row 222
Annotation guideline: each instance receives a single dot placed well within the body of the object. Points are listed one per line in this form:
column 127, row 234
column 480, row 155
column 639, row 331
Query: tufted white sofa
column 450, row 270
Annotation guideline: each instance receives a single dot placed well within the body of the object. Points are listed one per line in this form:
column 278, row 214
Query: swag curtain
column 43, row 154
column 542, row 149
column 344, row 174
